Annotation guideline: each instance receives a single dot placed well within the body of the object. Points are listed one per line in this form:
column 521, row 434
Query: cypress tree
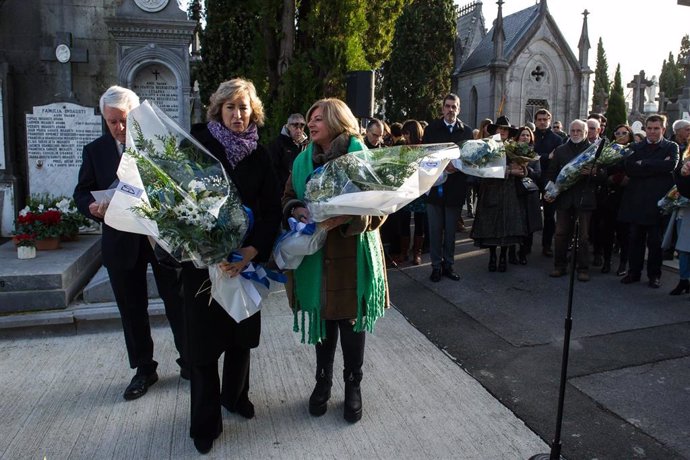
column 615, row 112
column 602, row 83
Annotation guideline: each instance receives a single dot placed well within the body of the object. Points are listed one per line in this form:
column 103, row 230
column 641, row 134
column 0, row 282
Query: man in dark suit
column 127, row 255
column 444, row 201
column 650, row 171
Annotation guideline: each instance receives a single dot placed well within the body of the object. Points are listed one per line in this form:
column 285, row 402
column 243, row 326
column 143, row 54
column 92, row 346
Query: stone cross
column 63, row 53
column 638, row 84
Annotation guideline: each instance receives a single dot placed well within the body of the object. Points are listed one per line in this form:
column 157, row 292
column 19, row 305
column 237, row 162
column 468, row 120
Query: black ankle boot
column 353, row 398
column 318, row 401
column 492, row 261
column 522, row 255
column 683, row 287
column 512, row 256
column 502, row 266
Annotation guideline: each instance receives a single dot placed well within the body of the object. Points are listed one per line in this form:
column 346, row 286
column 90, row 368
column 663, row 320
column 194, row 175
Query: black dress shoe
column 139, row 385
column 243, row 407
column 448, row 272
column 654, row 283
column 203, row 445
column 629, row 279
column 435, row 275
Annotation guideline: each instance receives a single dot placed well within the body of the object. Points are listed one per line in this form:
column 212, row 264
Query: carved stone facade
column 534, row 68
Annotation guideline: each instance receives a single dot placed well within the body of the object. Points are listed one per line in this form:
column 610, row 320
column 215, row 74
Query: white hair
column 582, row 124
column 119, row 98
column 680, row 124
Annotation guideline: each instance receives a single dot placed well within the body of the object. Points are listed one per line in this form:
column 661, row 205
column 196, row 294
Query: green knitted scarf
column 371, row 284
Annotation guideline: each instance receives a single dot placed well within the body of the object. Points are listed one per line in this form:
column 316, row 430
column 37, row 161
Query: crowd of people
column 342, row 289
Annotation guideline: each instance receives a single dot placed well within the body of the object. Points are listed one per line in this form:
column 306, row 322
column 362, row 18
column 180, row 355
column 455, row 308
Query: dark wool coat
column 283, row 152
column 210, row 328
column 452, row 191
column 545, row 142
column 582, row 195
column 650, row 178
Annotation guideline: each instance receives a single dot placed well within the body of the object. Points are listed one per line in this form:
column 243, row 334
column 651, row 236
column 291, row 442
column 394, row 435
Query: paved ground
column 627, row 394
column 466, row 371
column 61, row 398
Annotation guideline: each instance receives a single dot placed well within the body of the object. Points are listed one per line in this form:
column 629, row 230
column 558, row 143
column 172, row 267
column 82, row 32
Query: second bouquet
column 376, row 182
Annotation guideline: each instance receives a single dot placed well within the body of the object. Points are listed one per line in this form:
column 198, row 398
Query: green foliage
column 602, row 83
column 424, row 38
column 671, row 78
column 229, row 44
column 616, row 113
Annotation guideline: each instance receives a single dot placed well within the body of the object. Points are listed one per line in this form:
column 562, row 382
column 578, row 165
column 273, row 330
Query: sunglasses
column 621, row 133
column 297, row 125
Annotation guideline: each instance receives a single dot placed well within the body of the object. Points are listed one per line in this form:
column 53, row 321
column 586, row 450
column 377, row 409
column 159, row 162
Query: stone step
column 51, row 280
column 99, row 289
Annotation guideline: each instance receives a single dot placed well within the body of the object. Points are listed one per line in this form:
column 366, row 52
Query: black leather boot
column 318, row 401
column 353, row 396
column 683, row 287
column 492, row 259
column 502, row 266
column 512, row 255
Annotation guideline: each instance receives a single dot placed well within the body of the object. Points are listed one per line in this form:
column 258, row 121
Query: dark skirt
column 501, row 218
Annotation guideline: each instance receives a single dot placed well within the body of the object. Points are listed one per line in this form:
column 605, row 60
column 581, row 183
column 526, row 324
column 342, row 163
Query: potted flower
column 72, row 219
column 44, row 224
column 26, row 245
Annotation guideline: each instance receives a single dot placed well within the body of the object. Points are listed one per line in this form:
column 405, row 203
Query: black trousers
column 131, row 295
column 549, row 229
column 639, row 237
column 352, row 344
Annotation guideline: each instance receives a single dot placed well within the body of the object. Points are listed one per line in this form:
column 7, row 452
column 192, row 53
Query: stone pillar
column 8, row 181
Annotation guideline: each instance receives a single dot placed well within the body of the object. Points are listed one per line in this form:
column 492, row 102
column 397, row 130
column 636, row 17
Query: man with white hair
column 126, row 256
column 285, row 148
column 681, row 133
column 577, row 202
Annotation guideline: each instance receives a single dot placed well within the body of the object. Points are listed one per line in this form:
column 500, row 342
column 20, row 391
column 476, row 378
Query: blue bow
column 259, row 274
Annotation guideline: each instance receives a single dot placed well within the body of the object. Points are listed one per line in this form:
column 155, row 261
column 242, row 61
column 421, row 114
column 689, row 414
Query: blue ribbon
column 254, row 276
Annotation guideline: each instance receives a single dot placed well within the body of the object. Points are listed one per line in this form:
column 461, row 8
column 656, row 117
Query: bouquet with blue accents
column 375, row 182
column 672, row 200
column 572, row 171
column 482, row 158
column 172, row 189
column 302, row 239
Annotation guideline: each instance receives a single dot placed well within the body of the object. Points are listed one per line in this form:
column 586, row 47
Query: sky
column 638, row 35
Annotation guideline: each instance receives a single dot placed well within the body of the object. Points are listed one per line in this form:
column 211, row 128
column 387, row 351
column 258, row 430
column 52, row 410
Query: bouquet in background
column 572, row 171
column 52, row 217
column 375, row 182
column 482, row 158
column 520, row 153
column 174, row 190
column 672, row 200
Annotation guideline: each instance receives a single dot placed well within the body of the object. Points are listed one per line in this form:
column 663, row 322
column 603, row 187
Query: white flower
column 196, row 186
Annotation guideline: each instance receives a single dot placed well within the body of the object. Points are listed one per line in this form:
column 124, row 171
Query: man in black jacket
column 545, row 142
column 444, row 201
column 127, row 255
column 577, row 202
column 285, row 148
column 650, row 170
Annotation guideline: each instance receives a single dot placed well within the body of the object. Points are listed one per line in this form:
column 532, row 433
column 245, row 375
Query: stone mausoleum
column 519, row 66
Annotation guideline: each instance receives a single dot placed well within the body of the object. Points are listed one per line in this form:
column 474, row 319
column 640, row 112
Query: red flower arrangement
column 42, row 224
column 25, row 239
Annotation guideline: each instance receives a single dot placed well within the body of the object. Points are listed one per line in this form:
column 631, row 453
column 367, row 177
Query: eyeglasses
column 297, row 125
column 621, row 133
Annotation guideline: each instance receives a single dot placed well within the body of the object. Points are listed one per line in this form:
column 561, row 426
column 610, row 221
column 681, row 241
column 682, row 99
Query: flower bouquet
column 672, row 200
column 301, row 240
column 175, row 191
column 26, row 245
column 375, row 182
column 482, row 158
column 572, row 172
column 520, row 153
column 42, row 223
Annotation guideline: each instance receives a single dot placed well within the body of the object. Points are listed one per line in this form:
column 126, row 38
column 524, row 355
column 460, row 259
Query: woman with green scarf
column 342, row 289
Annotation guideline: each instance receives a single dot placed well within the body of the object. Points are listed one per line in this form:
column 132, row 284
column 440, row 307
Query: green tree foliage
column 295, row 51
column 602, row 83
column 417, row 75
column 615, row 112
column 671, row 78
column 230, row 44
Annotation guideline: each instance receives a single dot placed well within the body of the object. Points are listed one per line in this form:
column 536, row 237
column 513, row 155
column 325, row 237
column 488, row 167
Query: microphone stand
column 556, row 443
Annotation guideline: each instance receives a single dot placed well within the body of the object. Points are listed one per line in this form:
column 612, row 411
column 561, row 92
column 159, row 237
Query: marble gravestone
column 158, row 84
column 55, row 136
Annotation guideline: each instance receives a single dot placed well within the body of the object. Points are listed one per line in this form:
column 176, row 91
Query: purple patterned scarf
column 237, row 145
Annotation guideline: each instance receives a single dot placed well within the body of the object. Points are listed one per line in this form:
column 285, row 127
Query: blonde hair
column 231, row 90
column 338, row 117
